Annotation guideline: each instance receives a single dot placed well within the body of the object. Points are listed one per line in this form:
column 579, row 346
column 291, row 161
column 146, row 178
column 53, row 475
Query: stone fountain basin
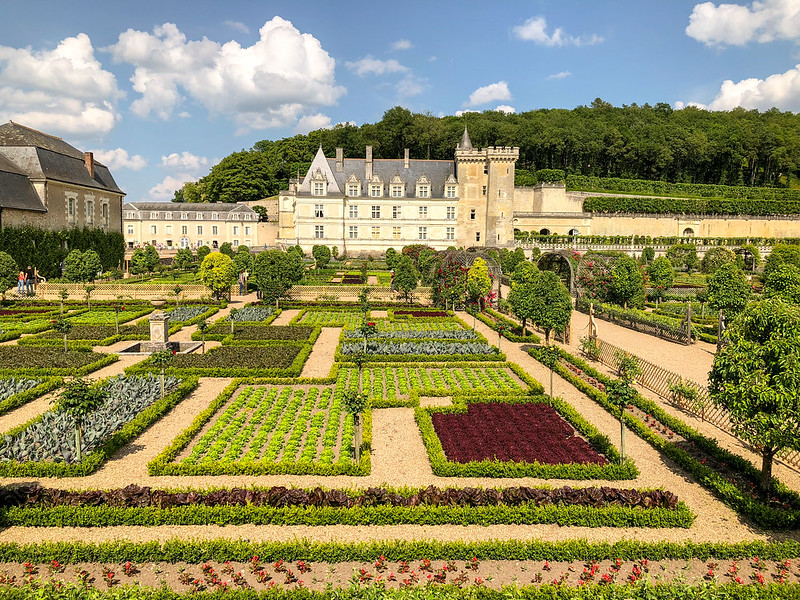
column 150, row 347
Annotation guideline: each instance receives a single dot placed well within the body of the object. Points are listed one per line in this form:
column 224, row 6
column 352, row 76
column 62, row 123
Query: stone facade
column 46, row 183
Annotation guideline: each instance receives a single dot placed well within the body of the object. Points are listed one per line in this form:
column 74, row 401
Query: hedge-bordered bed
column 50, row 361
column 492, row 468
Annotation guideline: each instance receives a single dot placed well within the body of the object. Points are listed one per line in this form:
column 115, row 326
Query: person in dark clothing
column 30, row 277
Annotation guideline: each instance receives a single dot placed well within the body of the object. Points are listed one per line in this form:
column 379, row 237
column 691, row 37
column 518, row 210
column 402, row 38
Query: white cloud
column 308, row 123
column 489, row 93
column 781, row 90
column 269, row 84
column 410, row 86
column 402, row 45
column 118, row 158
column 238, row 26
column 505, row 108
column 559, row 75
column 185, row 114
column 64, row 90
column 535, row 30
column 734, row 24
column 166, row 189
column 462, row 112
column 185, row 160
column 374, row 66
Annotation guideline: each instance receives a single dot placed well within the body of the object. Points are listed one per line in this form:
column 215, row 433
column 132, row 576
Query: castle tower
column 486, row 193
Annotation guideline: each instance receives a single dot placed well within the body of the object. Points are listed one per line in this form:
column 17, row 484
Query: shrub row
column 690, row 206
column 495, row 320
column 95, row 459
column 730, row 494
column 487, row 468
column 222, row 333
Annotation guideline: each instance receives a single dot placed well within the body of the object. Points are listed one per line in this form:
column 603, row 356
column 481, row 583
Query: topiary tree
column 272, row 273
column 243, row 261
column 79, row 399
column 8, row 273
column 521, row 296
column 755, row 378
column 218, row 273
column 627, row 282
column 683, row 256
column 296, row 266
column 322, row 256
column 392, row 256
column 138, row 263
column 183, row 259
column 551, row 304
column 648, row 254
column 92, row 265
column 73, row 265
column 479, row 284
column 153, row 259
column 202, row 252
column 728, row 290
column 661, row 276
column 784, row 283
column 89, row 288
column 780, row 254
column 715, row 258
column 227, row 249
column 406, row 276
column 620, row 393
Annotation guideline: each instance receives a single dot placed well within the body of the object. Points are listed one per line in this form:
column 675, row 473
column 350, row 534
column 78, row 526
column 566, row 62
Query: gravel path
column 286, row 316
column 321, row 358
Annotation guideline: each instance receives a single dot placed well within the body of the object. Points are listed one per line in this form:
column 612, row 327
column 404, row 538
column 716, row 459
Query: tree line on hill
column 691, row 145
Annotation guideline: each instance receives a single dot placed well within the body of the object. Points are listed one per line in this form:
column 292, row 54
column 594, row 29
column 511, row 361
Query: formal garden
column 445, row 443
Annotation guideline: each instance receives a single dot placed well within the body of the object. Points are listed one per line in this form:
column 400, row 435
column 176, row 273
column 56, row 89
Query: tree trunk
column 65, row 343
column 766, row 472
column 546, row 337
column 162, row 382
column 622, row 438
column 78, row 440
column 524, row 329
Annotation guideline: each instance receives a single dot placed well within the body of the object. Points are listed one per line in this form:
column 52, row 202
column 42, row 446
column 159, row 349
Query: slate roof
column 16, row 190
column 437, row 172
column 55, row 159
column 186, row 206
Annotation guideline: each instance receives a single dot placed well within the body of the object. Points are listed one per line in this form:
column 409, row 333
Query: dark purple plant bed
column 422, row 313
column 512, row 432
column 352, row 280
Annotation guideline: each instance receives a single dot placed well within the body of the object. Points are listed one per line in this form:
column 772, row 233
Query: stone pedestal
column 159, row 332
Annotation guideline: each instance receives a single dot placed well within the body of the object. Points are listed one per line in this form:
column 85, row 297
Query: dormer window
column 318, row 188
column 214, row 216
column 375, row 190
column 450, row 191
column 397, row 190
column 184, row 216
column 353, row 189
column 199, row 216
column 423, row 191
column 168, row 216
column 153, row 215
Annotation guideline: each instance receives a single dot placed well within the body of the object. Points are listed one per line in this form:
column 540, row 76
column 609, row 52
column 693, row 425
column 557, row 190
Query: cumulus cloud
column 269, row 84
column 118, row 158
column 489, row 93
column 736, row 25
column 166, row 189
column 410, row 86
column 461, row 112
column 308, row 123
column 402, row 45
column 781, row 90
column 238, row 26
column 559, row 75
column 374, row 66
column 184, row 160
column 505, row 108
column 64, row 90
column 535, row 30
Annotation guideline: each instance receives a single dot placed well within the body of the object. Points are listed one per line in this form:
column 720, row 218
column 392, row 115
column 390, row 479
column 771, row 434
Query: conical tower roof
column 466, row 143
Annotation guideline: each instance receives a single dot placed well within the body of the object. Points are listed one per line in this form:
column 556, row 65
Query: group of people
column 26, row 280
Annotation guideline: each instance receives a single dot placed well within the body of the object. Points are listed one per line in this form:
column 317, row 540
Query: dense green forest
column 738, row 147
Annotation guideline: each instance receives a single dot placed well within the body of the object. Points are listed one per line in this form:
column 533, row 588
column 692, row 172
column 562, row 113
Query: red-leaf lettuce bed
column 487, row 466
column 421, row 313
column 593, row 507
column 352, row 280
column 512, row 432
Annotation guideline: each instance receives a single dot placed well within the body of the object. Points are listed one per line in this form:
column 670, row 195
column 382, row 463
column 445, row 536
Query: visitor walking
column 21, row 283
column 243, row 282
column 30, row 277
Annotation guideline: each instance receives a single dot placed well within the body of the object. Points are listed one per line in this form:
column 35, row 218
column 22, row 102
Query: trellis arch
column 562, row 263
column 591, row 267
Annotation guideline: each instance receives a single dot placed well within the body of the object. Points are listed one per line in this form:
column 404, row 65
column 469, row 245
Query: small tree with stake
column 232, row 318
column 202, row 327
column 63, row 294
column 177, row 291
column 89, row 288
column 63, row 327
column 161, row 359
column 355, row 403
column 117, row 309
column 549, row 357
column 80, row 399
column 621, row 393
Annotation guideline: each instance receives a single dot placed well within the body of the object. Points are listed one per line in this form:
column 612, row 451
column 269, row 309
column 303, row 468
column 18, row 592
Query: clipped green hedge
column 690, row 206
column 96, row 458
column 772, row 518
column 163, row 463
column 494, row 320
column 487, row 468
column 258, row 333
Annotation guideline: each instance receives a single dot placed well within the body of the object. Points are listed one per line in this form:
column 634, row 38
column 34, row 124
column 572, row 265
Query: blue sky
column 161, row 90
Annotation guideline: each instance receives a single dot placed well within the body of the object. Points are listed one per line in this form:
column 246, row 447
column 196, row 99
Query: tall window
column 376, row 190
column 319, row 188
column 184, row 229
column 353, row 232
column 319, row 211
column 198, row 216
column 376, row 233
column 423, row 233
column 353, row 211
column 130, row 229
column 397, row 233
column 168, row 229
column 199, row 230
column 397, row 211
column 104, row 213
column 153, row 229
column 423, row 191
column 246, row 230
column 423, row 212
column 477, row 236
column 90, row 212
column 451, row 213
column 319, row 231
column 451, row 233
column 353, row 189
column 472, row 214
column 376, row 211
column 235, row 230
column 450, row 191
column 214, row 230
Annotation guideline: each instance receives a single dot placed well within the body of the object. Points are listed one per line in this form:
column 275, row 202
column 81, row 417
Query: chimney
column 368, row 165
column 88, row 158
column 339, row 160
column 405, row 159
